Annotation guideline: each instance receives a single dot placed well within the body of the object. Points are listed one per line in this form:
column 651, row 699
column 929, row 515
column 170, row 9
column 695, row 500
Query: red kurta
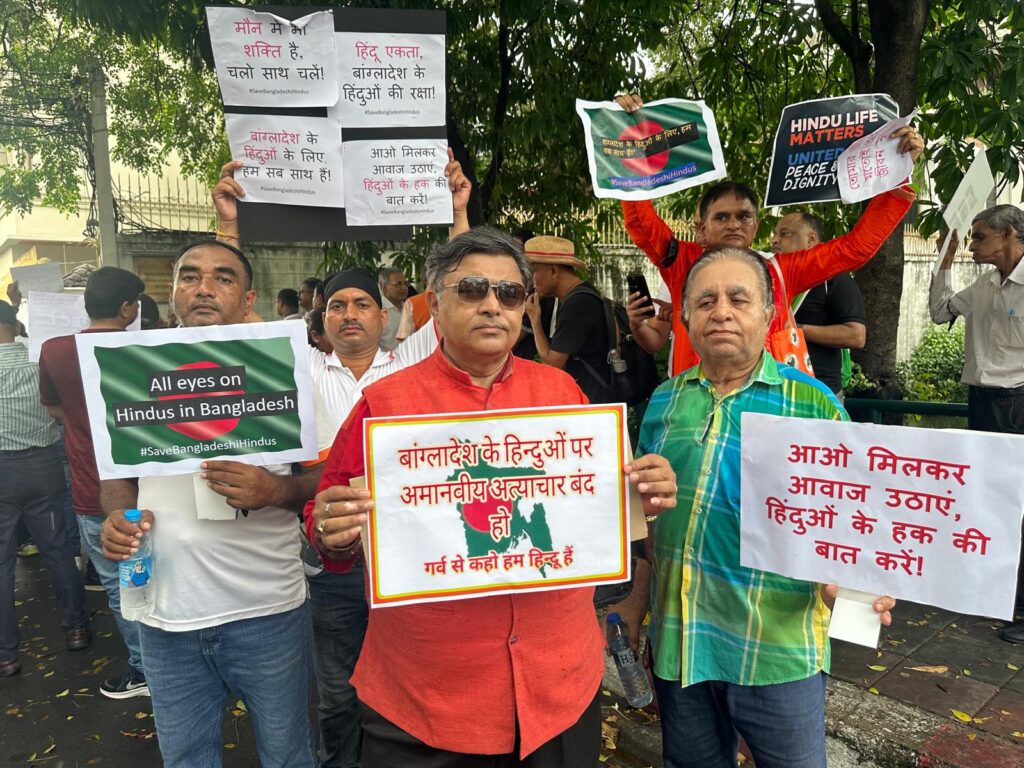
column 461, row 675
column 802, row 269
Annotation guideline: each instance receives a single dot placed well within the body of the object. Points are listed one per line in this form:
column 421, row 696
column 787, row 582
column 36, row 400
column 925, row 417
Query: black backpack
column 637, row 376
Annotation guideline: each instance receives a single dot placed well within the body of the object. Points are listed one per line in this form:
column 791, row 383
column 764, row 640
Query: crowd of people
column 250, row 606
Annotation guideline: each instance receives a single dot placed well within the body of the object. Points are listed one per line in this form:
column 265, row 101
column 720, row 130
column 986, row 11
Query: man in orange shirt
column 508, row 680
column 728, row 216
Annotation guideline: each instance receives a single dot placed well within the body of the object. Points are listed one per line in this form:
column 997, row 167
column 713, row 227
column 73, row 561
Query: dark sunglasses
column 474, row 290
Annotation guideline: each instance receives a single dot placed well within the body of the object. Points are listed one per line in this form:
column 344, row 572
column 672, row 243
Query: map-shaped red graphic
column 644, row 166
column 203, row 430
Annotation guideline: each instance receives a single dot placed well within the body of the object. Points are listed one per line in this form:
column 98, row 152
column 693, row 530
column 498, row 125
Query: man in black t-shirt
column 832, row 313
column 580, row 343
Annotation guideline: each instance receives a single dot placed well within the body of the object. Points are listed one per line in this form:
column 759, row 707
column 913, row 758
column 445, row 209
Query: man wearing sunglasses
column 508, row 680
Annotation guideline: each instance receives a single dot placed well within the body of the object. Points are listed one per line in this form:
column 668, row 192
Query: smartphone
column 637, row 283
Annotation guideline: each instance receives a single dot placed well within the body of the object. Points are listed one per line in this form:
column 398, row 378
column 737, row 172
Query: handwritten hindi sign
column 923, row 515
column 811, row 135
column 664, row 147
column 163, row 401
column 390, row 80
column 265, row 60
column 495, row 502
column 291, row 160
column 57, row 314
column 874, row 164
column 396, row 181
column 46, row 277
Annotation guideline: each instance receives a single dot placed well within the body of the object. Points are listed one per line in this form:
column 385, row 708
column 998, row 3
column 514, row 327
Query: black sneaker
column 130, row 685
column 91, row 579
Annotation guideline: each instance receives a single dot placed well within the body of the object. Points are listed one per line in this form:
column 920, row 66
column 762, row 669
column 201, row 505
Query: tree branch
column 849, row 41
column 500, row 113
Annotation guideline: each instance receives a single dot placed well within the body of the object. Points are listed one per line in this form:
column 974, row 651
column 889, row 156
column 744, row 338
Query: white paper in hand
column 874, row 164
column 854, row 619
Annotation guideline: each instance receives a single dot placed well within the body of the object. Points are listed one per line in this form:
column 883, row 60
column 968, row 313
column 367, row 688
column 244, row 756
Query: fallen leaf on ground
column 971, row 736
column 1014, row 667
column 63, row 693
column 935, row 669
column 877, row 667
column 962, row 716
column 873, row 690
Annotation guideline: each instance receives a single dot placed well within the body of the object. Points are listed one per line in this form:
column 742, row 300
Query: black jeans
column 385, row 745
column 32, row 489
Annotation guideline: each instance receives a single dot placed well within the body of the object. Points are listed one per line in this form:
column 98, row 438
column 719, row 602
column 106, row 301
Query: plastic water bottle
column 631, row 672
column 135, row 576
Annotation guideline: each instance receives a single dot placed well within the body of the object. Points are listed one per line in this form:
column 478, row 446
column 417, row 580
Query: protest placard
column 390, row 80
column 874, row 164
column 57, row 314
column 291, row 160
column 923, row 515
column 45, row 278
column 663, row 147
column 971, row 196
column 163, row 401
column 397, row 182
column 266, row 60
column 495, row 502
column 811, row 136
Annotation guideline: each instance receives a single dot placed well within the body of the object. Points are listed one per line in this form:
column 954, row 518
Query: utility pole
column 101, row 158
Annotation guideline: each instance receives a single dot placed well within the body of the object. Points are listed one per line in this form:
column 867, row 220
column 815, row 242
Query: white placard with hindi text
column 874, row 164
column 46, row 277
column 922, row 515
column 289, row 160
column 495, row 502
column 390, row 80
column 396, row 182
column 58, row 314
column 265, row 60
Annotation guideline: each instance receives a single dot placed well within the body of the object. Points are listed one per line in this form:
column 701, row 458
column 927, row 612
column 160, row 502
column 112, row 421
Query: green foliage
column 860, row 385
column 932, row 373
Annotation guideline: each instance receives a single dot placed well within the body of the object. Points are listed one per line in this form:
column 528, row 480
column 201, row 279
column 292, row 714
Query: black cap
column 357, row 277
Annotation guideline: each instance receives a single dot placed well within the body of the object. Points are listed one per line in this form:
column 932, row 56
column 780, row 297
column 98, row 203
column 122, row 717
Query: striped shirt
column 711, row 618
column 24, row 422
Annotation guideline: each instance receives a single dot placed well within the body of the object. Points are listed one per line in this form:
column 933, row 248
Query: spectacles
column 473, row 290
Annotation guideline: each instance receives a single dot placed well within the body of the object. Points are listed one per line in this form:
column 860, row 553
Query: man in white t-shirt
column 230, row 614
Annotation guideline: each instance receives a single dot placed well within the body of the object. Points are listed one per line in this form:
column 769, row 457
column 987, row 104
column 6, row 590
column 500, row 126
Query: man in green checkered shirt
column 736, row 651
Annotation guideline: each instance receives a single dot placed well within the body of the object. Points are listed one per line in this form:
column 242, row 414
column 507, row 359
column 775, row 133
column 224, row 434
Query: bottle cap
column 613, row 618
column 133, row 515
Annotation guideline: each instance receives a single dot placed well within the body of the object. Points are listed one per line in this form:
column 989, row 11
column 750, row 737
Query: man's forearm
column 841, row 335
column 118, row 494
column 650, row 335
column 295, row 490
column 460, row 223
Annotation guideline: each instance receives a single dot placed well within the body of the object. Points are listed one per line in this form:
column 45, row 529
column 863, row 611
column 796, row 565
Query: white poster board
column 971, row 196
column 396, row 182
column 874, row 164
column 922, row 515
column 58, row 314
column 163, row 401
column 265, row 60
column 495, row 502
column 45, row 278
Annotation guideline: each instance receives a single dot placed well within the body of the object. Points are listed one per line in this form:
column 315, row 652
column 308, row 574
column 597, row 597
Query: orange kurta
column 461, row 675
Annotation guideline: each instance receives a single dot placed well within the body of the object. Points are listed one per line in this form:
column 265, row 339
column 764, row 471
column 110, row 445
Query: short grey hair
column 488, row 241
column 385, row 273
column 721, row 253
column 1000, row 218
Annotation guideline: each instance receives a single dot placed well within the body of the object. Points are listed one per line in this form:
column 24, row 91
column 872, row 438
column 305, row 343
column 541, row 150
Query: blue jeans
column 90, row 526
column 32, row 490
column 339, row 625
column 783, row 724
column 264, row 661
column 74, row 540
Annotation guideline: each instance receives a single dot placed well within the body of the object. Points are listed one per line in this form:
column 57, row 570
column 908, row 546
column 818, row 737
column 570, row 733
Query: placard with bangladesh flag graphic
column 163, row 401
column 661, row 148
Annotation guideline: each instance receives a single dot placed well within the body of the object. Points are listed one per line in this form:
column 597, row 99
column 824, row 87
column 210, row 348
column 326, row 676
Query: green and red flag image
column 663, row 147
column 161, row 402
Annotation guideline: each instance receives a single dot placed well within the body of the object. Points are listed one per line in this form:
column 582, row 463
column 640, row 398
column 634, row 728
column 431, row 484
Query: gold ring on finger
column 320, row 527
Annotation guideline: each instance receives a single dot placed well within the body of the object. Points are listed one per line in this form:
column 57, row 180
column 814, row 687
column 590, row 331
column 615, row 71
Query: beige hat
column 552, row 250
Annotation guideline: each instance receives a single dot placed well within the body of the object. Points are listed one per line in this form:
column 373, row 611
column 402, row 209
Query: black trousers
column 993, row 409
column 385, row 745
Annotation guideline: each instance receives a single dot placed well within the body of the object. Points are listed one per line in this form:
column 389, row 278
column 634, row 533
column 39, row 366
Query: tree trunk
column 897, row 27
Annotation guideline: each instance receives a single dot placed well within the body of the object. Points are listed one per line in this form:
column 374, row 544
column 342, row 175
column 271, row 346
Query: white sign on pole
column 970, row 197
column 496, row 502
column 57, row 314
column 922, row 515
column 45, row 278
column 265, row 60
column 874, row 164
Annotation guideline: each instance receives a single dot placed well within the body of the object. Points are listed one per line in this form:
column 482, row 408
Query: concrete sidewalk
column 943, row 691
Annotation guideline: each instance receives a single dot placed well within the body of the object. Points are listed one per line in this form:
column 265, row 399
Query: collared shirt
column 340, row 388
column 993, row 309
column 711, row 618
column 389, row 339
column 467, row 675
column 24, row 422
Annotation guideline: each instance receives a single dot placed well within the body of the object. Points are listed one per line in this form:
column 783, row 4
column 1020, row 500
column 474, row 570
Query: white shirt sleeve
column 943, row 304
column 417, row 347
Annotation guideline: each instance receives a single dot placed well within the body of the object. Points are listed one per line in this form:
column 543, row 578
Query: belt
column 26, row 451
column 994, row 392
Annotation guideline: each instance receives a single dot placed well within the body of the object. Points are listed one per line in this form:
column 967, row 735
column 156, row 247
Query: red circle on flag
column 203, row 430
column 644, row 166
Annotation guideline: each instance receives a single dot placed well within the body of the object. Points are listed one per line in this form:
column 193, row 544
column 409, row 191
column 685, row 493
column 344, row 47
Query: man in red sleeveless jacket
column 511, row 677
